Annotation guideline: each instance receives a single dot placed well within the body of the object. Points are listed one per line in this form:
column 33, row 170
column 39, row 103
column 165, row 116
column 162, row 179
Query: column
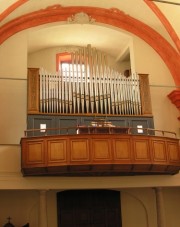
column 160, row 208
column 43, row 209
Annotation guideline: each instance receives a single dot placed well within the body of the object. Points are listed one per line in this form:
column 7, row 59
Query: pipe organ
column 87, row 85
column 84, row 87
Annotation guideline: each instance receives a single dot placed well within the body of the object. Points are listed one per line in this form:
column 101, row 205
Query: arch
column 165, row 22
column 112, row 17
column 11, row 8
column 141, row 204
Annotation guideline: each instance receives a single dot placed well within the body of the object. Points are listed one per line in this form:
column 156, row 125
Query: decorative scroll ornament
column 81, row 18
column 68, row 49
column 116, row 10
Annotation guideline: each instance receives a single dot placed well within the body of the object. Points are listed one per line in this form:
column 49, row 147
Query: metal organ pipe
column 89, row 85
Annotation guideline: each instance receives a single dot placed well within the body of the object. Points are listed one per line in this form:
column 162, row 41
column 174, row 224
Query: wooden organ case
column 66, row 104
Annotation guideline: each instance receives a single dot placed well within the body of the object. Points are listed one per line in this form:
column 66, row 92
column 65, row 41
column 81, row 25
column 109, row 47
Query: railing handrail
column 129, row 130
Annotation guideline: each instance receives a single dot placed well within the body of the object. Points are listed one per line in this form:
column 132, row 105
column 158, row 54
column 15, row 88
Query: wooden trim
column 33, row 90
column 145, row 94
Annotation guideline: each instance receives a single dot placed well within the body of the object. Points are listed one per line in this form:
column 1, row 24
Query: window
column 73, row 72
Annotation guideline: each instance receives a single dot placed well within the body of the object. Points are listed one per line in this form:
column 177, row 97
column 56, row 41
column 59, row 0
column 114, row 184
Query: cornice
column 174, row 96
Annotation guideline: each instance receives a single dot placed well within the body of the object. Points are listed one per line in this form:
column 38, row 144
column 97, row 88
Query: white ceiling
column 106, row 39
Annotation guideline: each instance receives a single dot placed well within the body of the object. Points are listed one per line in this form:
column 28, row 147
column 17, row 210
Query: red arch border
column 11, row 8
column 112, row 17
column 165, row 22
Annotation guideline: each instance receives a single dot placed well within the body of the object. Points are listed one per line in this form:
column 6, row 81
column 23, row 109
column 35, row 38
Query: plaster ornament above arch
column 81, row 18
column 105, row 17
column 68, row 49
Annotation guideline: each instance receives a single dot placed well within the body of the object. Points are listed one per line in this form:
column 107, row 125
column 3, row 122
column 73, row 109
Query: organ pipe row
column 89, row 85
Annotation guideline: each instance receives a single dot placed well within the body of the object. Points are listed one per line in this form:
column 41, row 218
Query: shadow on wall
column 133, row 207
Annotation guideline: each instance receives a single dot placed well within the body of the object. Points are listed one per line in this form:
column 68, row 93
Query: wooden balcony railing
column 94, row 130
column 110, row 151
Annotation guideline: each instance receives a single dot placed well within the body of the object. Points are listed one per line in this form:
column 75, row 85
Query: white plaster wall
column 10, row 159
column 21, row 206
column 138, row 207
column 13, row 111
column 161, row 84
column 171, row 198
column 13, row 55
column 45, row 59
column 13, row 89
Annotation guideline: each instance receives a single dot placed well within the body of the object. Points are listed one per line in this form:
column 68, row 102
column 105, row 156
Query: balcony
column 100, row 151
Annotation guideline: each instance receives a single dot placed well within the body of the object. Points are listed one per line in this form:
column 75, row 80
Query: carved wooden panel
column 122, row 150
column 159, row 151
column 35, row 153
column 173, row 152
column 57, row 151
column 145, row 94
column 141, row 150
column 101, row 150
column 79, row 151
column 122, row 154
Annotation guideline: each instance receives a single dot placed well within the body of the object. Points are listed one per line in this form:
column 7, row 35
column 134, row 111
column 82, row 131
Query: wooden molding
column 145, row 94
column 33, row 90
